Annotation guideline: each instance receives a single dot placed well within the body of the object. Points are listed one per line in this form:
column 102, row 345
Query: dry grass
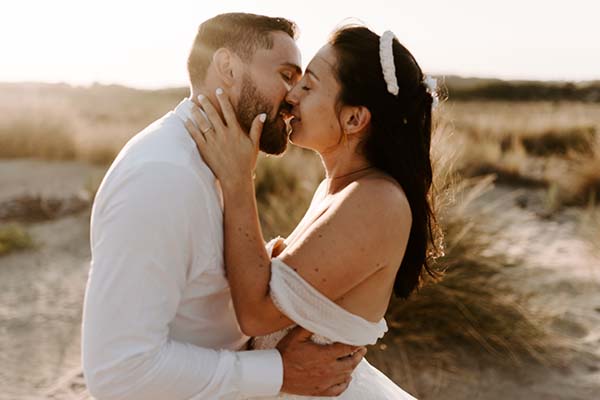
column 28, row 208
column 527, row 144
column 549, row 143
column 284, row 189
column 496, row 119
column 60, row 122
column 532, row 145
column 471, row 308
column 47, row 137
column 582, row 187
column 12, row 238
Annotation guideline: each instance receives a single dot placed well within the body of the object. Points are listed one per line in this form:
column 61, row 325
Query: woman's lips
column 286, row 115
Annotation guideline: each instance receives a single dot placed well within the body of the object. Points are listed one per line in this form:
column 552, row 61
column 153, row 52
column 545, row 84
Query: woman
column 364, row 106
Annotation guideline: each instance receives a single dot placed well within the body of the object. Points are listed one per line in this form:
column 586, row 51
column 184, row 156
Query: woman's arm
column 248, row 263
column 343, row 248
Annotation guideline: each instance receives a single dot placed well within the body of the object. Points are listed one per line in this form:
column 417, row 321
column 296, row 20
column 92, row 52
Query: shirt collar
column 184, row 109
column 184, row 112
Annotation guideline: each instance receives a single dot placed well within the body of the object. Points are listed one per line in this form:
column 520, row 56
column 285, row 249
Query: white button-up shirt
column 158, row 320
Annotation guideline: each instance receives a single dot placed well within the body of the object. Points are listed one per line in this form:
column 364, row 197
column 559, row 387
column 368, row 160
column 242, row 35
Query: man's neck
column 209, row 93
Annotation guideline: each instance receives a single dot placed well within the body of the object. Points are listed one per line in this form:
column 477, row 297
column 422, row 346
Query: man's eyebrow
column 308, row 71
column 295, row 67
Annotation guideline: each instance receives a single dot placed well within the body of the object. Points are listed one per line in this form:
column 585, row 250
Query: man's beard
column 274, row 137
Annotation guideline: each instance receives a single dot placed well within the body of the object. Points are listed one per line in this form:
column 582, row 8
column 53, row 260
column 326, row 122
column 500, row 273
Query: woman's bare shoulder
column 379, row 196
column 364, row 230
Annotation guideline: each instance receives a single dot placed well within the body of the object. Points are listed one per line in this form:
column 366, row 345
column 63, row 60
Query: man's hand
column 310, row 369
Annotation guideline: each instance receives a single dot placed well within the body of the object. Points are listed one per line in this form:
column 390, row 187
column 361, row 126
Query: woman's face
column 315, row 124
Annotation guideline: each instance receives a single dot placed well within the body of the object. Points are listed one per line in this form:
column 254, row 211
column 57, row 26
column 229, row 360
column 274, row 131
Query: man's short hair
column 241, row 33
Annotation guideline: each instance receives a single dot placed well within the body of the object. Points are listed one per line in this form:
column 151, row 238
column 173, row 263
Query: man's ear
column 355, row 119
column 225, row 65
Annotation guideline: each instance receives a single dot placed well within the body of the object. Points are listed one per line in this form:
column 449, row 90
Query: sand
column 41, row 290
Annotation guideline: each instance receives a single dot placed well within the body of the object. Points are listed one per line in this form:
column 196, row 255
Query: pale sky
column 145, row 43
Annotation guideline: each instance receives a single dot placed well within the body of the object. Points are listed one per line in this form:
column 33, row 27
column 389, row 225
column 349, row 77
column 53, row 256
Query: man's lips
column 288, row 118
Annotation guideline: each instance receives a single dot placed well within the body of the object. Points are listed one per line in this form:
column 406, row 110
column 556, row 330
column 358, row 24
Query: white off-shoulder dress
column 329, row 322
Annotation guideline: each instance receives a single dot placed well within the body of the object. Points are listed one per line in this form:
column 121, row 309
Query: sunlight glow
column 145, row 43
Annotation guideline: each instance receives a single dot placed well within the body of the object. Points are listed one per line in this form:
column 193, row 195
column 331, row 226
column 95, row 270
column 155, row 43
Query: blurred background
column 516, row 313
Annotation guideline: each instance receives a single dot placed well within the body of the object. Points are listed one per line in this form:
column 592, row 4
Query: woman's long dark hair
column 400, row 135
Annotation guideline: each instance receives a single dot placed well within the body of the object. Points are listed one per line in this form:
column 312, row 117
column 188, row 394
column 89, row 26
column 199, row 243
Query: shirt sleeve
column 142, row 248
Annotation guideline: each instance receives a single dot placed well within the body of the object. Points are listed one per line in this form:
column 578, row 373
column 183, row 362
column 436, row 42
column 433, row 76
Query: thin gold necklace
column 352, row 173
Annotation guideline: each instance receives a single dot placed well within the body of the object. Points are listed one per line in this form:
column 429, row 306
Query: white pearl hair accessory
column 386, row 56
column 431, row 84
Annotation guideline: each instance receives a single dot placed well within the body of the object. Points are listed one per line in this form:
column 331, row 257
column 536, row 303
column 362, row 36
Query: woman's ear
column 355, row 119
column 225, row 66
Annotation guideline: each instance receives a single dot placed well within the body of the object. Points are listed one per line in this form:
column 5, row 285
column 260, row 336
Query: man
column 158, row 321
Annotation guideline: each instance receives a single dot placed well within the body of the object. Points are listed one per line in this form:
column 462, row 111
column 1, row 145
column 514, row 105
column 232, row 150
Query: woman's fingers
column 256, row 129
column 227, row 109
column 202, row 122
column 211, row 113
column 196, row 133
column 201, row 144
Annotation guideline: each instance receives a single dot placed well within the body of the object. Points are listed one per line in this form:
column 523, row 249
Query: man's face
column 265, row 84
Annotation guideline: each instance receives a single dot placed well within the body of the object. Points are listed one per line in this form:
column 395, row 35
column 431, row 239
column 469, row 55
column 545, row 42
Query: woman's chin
column 295, row 137
column 294, row 130
column 298, row 137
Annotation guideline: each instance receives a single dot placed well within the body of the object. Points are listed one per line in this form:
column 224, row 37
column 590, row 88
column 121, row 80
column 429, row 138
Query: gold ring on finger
column 206, row 130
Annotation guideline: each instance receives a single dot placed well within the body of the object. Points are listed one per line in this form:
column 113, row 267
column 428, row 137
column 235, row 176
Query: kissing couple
column 185, row 300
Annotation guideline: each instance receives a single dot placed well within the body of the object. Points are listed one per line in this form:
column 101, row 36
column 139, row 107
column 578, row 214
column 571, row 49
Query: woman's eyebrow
column 310, row 72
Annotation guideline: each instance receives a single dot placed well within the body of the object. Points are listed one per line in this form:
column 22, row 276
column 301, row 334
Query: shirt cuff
column 261, row 372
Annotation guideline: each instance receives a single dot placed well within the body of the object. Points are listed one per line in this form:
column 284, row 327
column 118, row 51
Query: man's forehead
column 284, row 52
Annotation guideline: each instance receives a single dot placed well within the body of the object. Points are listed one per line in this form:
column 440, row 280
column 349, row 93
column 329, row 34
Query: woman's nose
column 292, row 97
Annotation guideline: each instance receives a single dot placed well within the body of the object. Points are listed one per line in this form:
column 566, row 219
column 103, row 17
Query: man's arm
column 142, row 248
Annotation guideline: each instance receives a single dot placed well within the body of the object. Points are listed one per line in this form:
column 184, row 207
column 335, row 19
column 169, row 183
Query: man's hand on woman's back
column 310, row 369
